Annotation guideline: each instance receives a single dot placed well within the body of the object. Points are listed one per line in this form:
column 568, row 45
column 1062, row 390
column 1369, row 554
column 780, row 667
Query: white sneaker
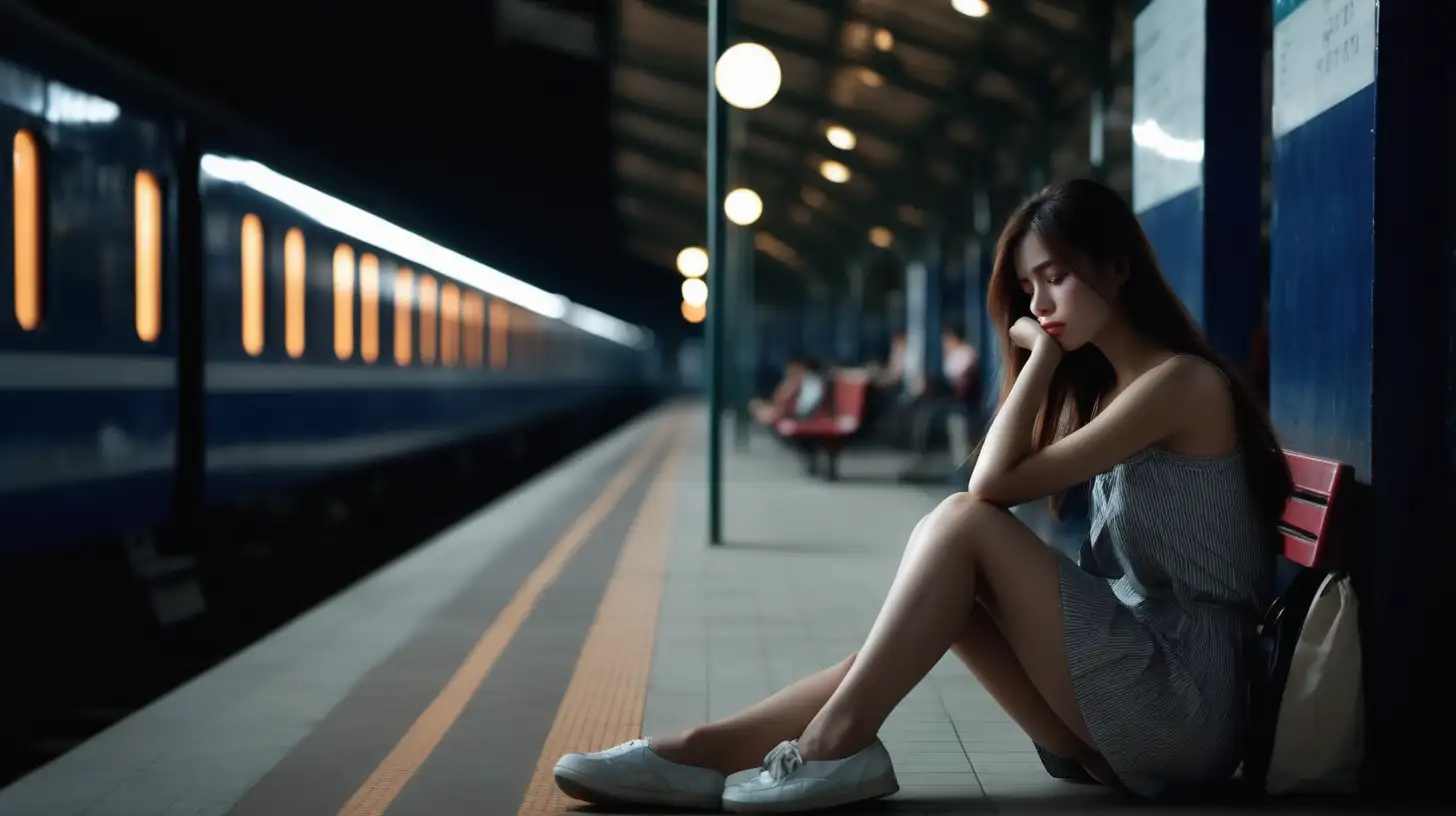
column 787, row 783
column 631, row 774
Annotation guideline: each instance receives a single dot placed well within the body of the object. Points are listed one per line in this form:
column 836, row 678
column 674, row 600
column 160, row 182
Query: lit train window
column 148, row 200
column 343, row 301
column 449, row 324
column 25, row 158
column 404, row 281
column 429, row 308
column 500, row 333
column 527, row 338
column 252, row 285
column 473, row 324
column 368, row 307
column 295, row 264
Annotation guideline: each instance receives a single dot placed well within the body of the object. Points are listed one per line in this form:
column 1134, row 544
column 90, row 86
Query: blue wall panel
column 1321, row 257
column 1175, row 229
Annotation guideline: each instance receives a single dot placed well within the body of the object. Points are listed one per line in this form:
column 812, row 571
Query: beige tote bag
column 1319, row 739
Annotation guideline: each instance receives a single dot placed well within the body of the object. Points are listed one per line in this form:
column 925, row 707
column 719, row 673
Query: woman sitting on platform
column 1134, row 669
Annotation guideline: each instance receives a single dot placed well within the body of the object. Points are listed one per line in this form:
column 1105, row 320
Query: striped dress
column 1158, row 616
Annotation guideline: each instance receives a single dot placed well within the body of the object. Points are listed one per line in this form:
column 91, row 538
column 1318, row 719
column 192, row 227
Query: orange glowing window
column 500, row 333
column 368, row 307
column 449, row 324
column 295, row 265
column 429, row 308
column 25, row 158
column 404, row 287
column 343, row 301
column 148, row 202
column 473, row 313
column 528, row 344
column 252, row 285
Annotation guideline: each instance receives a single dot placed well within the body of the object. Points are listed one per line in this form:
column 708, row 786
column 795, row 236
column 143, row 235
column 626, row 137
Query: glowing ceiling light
column 747, row 76
column 694, row 292
column 971, row 8
column 692, row 262
column 834, row 171
column 870, row 77
column 840, row 136
column 743, row 206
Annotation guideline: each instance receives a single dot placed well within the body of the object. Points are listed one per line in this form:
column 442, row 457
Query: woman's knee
column 957, row 519
column 962, row 513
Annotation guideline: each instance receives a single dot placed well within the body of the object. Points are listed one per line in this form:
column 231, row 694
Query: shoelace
column 783, row 760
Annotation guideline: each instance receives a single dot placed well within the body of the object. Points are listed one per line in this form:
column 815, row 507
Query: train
column 182, row 324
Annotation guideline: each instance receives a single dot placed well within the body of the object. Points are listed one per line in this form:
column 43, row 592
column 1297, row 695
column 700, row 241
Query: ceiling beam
column 685, row 213
column 974, row 107
column 771, row 132
column 769, row 177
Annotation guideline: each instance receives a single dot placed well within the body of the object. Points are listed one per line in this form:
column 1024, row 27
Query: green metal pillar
column 740, row 259
column 719, row 15
column 742, row 326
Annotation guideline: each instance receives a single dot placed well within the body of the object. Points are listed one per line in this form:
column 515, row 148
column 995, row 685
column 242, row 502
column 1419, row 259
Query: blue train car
column 180, row 324
column 336, row 338
column 88, row 347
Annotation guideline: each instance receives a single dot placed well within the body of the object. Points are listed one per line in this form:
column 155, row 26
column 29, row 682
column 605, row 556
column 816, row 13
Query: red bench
column 1316, row 517
column 826, row 431
column 1317, row 524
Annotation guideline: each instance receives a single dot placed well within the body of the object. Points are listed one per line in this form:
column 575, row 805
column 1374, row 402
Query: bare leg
column 741, row 740
column 986, row 652
column 966, row 552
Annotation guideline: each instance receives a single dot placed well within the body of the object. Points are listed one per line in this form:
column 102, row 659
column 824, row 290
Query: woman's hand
column 1028, row 334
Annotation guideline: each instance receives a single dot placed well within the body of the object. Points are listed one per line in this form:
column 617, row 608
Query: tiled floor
column 328, row 709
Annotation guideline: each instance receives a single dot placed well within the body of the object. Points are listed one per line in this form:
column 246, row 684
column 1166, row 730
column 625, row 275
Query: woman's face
column 1068, row 307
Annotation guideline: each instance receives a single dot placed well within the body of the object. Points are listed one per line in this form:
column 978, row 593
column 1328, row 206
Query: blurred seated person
column 956, row 390
column 886, row 388
column 889, row 375
column 798, row 394
column 960, row 365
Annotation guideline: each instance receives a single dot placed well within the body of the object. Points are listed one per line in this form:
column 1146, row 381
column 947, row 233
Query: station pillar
column 1361, row 318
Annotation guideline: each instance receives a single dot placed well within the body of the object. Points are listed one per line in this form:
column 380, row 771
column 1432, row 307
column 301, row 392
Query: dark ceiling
column 941, row 104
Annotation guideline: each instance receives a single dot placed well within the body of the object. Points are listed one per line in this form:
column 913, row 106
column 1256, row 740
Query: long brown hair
column 1086, row 225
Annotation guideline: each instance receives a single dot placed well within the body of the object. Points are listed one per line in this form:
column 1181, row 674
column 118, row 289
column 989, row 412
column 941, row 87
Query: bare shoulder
column 1202, row 392
column 1182, row 382
column 1195, row 377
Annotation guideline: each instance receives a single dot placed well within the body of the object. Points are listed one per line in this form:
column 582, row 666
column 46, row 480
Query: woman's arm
column 1008, row 441
column 1159, row 404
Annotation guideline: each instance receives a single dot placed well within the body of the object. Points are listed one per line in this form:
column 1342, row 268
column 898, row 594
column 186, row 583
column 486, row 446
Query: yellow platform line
column 603, row 704
column 389, row 778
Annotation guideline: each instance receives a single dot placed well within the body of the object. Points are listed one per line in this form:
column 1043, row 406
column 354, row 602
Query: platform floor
column 580, row 611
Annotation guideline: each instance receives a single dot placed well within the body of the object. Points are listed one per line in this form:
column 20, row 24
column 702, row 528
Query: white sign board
column 1167, row 100
column 1324, row 53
